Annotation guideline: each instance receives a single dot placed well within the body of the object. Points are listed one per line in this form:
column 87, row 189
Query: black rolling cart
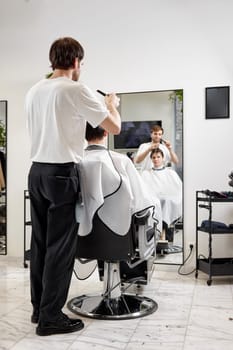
column 210, row 265
column 27, row 228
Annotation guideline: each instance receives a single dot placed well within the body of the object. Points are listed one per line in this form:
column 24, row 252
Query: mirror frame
column 3, row 134
column 178, row 95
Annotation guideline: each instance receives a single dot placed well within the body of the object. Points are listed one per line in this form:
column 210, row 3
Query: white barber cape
column 165, row 184
column 111, row 187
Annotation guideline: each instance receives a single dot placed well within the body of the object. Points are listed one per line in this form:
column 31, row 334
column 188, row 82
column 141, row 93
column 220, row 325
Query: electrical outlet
column 191, row 245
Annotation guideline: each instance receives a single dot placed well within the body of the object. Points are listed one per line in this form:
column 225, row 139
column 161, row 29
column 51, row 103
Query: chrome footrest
column 126, row 306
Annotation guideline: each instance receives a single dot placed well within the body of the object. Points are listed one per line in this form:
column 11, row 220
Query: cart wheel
column 196, row 274
column 209, row 282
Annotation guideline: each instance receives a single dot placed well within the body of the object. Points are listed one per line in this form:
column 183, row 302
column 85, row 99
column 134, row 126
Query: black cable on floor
column 187, row 273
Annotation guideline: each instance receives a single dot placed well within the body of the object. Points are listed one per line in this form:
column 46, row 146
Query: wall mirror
column 140, row 110
column 3, row 187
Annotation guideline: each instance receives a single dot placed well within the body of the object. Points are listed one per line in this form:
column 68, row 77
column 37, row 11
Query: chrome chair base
column 126, row 306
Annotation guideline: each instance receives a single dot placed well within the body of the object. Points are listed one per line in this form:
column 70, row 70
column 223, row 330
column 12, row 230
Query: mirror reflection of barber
column 142, row 157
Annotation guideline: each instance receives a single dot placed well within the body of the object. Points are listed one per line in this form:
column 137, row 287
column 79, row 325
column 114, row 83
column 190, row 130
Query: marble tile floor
column 190, row 315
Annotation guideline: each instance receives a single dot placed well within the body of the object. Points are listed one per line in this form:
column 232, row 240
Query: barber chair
column 123, row 260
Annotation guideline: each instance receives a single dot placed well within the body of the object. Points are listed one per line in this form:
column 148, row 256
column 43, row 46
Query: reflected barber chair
column 123, row 260
column 166, row 245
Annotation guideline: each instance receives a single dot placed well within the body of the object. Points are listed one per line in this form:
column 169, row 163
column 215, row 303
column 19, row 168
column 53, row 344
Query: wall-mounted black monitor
column 133, row 133
column 217, row 102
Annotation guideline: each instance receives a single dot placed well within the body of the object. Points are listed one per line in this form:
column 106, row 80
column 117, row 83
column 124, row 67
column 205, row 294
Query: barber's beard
column 156, row 142
column 75, row 75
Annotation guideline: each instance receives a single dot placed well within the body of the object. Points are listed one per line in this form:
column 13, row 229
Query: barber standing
column 57, row 110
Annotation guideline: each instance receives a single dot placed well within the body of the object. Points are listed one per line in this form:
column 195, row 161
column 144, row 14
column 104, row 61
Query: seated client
column 112, row 187
column 166, row 185
column 118, row 228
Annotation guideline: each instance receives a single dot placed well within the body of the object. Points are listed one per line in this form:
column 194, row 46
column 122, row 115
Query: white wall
column 131, row 45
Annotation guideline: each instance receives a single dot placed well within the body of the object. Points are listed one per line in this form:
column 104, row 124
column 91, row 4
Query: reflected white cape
column 166, row 185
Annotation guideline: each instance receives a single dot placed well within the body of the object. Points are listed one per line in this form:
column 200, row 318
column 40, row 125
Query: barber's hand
column 112, row 100
column 167, row 144
column 154, row 146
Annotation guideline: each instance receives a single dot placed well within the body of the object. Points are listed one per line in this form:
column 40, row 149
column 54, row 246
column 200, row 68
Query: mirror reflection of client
column 143, row 154
column 117, row 180
column 166, row 185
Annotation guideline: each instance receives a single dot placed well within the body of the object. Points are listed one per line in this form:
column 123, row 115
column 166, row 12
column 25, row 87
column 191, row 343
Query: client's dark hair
column 94, row 133
column 155, row 151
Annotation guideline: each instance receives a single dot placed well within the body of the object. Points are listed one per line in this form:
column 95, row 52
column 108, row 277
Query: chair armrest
column 142, row 217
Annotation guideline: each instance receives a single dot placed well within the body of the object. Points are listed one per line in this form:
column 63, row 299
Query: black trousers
column 53, row 191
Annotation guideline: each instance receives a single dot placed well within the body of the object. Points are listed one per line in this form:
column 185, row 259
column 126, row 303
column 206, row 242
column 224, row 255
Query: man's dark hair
column 94, row 133
column 64, row 51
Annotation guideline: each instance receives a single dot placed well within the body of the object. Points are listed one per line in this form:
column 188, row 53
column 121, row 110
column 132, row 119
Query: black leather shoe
column 35, row 316
column 63, row 324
